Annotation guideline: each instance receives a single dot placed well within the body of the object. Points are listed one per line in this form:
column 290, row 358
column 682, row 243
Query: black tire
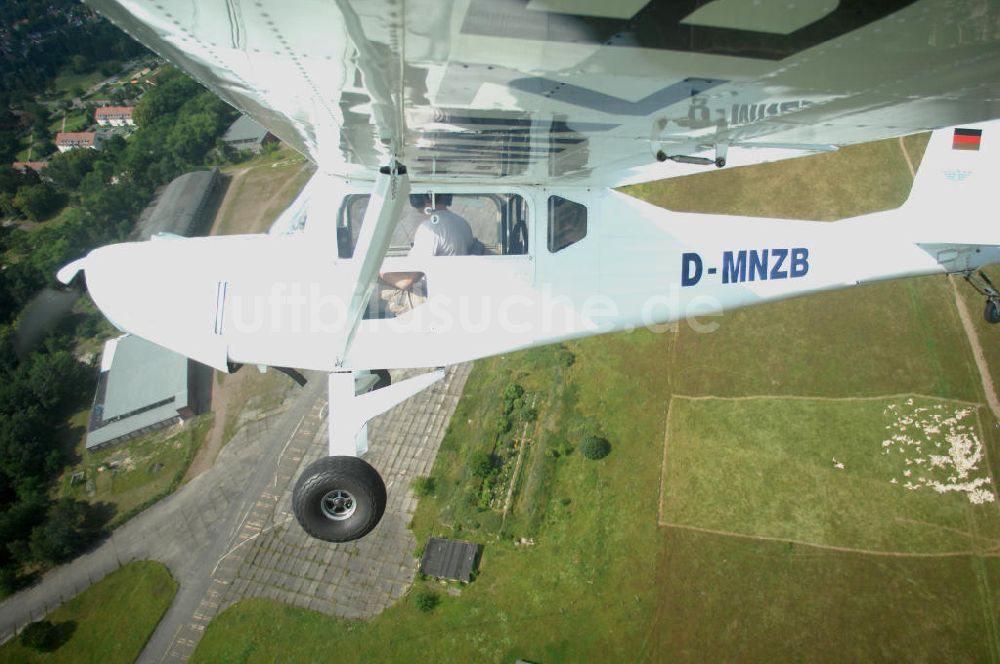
column 384, row 379
column 339, row 498
column 992, row 313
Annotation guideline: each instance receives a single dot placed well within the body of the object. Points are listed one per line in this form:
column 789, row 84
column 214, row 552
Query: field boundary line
column 799, row 397
column 663, row 464
column 988, row 553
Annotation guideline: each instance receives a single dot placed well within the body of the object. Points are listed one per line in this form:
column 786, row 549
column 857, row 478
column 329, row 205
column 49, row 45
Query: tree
column 38, row 201
column 79, row 64
column 483, row 464
column 67, row 169
column 594, row 447
column 66, row 532
column 426, row 600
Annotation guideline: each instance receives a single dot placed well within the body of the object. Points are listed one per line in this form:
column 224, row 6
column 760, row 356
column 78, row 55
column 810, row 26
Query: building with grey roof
column 142, row 387
column 182, row 207
column 247, row 134
column 449, row 559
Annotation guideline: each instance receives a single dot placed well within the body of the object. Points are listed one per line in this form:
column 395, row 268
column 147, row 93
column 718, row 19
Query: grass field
column 77, row 120
column 66, row 82
column 109, row 622
column 809, row 560
column 828, row 472
column 886, row 338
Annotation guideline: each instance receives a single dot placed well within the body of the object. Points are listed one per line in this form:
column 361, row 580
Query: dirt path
column 970, row 330
column 222, row 402
column 977, row 353
column 229, row 198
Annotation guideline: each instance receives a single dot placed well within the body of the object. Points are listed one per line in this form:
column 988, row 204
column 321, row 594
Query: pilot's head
column 423, row 201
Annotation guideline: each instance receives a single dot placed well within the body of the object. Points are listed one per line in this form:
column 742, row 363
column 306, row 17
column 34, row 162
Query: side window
column 567, row 223
column 498, row 221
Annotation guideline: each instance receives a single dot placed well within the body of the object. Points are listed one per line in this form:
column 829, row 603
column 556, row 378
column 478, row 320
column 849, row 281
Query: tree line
column 179, row 125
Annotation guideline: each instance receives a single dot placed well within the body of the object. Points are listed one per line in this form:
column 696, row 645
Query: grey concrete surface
column 230, row 533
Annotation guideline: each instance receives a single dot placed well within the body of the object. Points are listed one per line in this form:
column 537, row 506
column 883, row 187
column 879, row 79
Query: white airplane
column 522, row 116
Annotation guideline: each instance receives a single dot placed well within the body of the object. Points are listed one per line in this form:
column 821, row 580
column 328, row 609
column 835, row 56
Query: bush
column 426, row 600
column 513, row 392
column 40, row 636
column 594, row 447
column 423, row 486
column 504, row 424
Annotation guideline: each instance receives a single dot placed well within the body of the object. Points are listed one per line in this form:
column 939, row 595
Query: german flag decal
column 967, row 139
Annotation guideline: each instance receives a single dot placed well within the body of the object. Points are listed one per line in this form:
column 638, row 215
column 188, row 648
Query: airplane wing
column 578, row 91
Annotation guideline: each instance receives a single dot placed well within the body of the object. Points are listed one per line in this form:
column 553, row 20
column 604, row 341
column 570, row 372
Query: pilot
column 442, row 233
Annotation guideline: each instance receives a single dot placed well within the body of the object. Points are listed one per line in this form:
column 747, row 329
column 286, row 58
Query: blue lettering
column 800, row 261
column 690, row 269
column 776, row 271
column 758, row 264
column 734, row 272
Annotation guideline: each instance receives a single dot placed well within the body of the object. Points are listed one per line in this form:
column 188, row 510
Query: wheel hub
column 338, row 505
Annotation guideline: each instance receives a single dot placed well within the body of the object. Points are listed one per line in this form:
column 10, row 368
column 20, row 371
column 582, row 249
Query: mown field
column 771, row 529
column 110, row 622
column 829, row 472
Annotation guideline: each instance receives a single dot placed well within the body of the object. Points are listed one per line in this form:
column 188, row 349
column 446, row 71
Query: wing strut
column 392, row 187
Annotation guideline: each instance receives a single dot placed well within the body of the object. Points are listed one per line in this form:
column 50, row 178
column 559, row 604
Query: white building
column 114, row 116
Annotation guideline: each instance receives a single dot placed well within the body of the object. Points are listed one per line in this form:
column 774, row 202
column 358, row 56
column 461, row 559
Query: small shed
column 453, row 560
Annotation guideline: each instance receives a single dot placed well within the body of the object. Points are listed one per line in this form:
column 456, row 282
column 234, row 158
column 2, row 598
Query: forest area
column 83, row 199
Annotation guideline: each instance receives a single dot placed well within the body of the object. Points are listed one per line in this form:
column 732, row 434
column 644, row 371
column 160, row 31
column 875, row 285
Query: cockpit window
column 567, row 223
column 499, row 223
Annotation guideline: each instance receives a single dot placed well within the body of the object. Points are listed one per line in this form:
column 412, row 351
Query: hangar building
column 142, row 387
column 182, row 208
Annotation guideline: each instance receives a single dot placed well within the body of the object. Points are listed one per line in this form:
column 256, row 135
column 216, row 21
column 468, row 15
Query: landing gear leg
column 341, row 497
column 985, row 287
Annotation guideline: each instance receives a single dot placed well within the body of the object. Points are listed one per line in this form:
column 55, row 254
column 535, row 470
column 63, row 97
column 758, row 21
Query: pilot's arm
column 401, row 280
